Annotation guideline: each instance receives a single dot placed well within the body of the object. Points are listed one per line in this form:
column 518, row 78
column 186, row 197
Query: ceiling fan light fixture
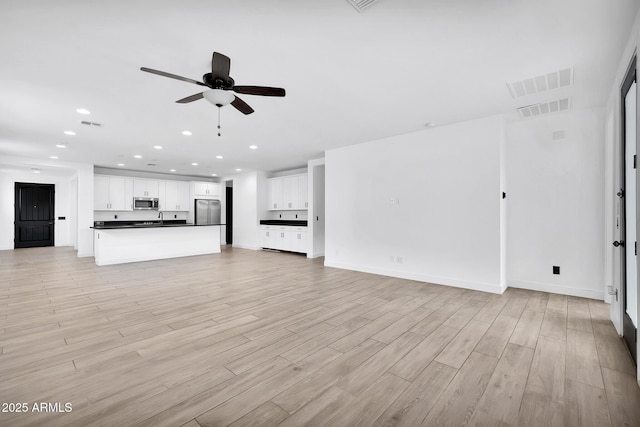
column 218, row 97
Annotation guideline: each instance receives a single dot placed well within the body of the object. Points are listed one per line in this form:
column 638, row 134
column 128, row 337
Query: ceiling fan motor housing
column 217, row 83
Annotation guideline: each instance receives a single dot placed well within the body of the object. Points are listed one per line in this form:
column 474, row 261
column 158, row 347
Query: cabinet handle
column 306, row 204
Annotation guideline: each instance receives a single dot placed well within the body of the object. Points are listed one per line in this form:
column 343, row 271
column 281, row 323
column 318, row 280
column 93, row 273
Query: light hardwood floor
column 253, row 338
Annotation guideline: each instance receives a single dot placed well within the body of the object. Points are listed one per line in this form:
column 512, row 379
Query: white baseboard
column 84, row 254
column 493, row 288
column 315, row 254
column 557, row 289
column 253, row 248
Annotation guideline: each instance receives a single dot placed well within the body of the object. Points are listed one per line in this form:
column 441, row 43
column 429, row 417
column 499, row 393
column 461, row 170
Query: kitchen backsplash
column 136, row 215
column 302, row 215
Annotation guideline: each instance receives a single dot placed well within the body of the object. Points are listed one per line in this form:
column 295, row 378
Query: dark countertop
column 289, row 222
column 114, row 225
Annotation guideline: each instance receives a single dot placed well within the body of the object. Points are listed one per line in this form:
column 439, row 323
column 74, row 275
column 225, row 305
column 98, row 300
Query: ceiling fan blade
column 190, row 98
column 172, row 76
column 259, row 90
column 220, row 66
column 242, row 106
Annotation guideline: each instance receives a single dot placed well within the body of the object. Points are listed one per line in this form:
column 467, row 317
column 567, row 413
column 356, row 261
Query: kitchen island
column 118, row 244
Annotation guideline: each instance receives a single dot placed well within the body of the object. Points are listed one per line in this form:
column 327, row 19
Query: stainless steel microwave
column 145, row 203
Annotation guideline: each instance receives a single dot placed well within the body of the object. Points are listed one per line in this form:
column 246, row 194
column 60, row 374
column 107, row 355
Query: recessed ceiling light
column 53, row 157
column 137, row 156
column 157, row 147
column 219, row 157
column 253, row 147
column 186, row 133
column 120, row 164
column 172, row 170
column 238, row 170
column 83, row 111
column 429, row 124
column 69, row 132
column 61, row 145
column 214, row 174
column 194, row 164
column 36, row 171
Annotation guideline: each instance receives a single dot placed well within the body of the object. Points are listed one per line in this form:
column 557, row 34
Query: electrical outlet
column 392, row 258
column 175, row 216
column 556, row 269
column 399, row 259
column 115, row 217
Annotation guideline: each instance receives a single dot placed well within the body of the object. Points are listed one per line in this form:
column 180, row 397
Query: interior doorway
column 34, row 215
column 628, row 211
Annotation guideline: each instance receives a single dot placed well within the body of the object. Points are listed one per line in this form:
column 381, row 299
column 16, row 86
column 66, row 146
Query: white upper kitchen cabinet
column 112, row 193
column 303, row 192
column 145, row 188
column 207, row 189
column 174, row 196
column 290, row 192
column 287, row 193
column 274, row 194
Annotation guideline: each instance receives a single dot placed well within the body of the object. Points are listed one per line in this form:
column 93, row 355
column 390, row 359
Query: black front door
column 34, row 218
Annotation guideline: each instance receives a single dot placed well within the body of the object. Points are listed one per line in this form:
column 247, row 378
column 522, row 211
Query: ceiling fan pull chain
column 218, row 121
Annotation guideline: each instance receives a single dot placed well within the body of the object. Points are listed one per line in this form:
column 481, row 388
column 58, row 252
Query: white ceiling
column 350, row 77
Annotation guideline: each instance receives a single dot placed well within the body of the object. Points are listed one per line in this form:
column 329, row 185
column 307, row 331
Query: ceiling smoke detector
column 360, row 5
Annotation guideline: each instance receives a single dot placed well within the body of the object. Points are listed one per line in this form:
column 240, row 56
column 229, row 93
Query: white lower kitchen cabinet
column 284, row 238
column 267, row 237
column 299, row 240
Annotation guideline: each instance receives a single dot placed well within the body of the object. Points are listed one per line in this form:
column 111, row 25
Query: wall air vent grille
column 86, row 123
column 535, row 110
column 543, row 83
column 360, row 5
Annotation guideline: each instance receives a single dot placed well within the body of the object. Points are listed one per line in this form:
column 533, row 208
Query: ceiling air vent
column 535, row 110
column 86, row 123
column 541, row 83
column 360, row 5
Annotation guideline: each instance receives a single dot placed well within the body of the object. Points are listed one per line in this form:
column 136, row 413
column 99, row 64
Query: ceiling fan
column 220, row 85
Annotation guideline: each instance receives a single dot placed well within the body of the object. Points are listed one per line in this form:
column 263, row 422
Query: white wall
column 431, row 198
column 85, row 210
column 249, row 200
column 556, row 207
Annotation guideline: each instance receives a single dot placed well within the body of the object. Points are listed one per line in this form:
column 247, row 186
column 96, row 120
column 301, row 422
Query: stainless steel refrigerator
column 207, row 212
